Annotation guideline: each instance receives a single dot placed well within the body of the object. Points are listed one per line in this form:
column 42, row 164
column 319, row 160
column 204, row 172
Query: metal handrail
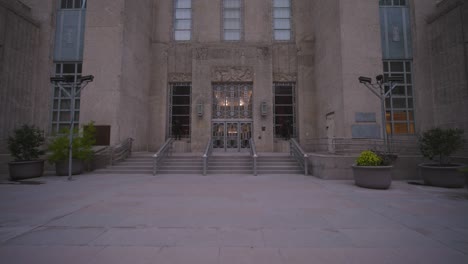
column 206, row 155
column 298, row 153
column 162, row 152
column 253, row 153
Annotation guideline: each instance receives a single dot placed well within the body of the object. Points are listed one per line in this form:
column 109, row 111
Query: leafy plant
column 439, row 144
column 82, row 144
column 25, row 143
column 369, row 158
column 387, row 158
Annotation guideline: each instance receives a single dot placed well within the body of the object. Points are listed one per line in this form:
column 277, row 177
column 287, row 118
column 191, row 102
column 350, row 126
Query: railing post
column 155, row 164
column 255, row 164
column 205, row 164
column 306, row 166
column 111, row 155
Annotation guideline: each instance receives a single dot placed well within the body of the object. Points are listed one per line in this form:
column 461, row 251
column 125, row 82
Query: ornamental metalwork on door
column 232, row 116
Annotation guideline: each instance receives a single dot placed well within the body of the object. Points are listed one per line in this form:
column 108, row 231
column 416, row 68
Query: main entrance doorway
column 231, row 136
column 232, row 116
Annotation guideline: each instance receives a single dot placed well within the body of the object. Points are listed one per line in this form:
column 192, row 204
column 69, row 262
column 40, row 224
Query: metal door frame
column 225, row 123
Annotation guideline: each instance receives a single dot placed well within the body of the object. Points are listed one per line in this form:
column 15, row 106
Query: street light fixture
column 378, row 88
column 76, row 87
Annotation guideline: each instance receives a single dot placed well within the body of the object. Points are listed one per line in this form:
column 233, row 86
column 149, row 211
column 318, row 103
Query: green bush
column 25, row 143
column 439, row 144
column 369, row 158
column 82, row 144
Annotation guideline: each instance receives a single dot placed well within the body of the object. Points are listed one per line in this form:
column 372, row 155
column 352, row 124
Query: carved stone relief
column 201, row 53
column 284, row 77
column 180, row 77
column 232, row 74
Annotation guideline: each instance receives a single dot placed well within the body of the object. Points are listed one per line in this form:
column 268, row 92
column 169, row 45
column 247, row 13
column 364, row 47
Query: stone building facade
column 235, row 69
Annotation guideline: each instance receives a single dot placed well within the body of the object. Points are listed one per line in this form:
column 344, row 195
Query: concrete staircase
column 225, row 163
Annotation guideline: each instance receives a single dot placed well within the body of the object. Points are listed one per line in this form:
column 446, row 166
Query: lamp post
column 378, row 88
column 76, row 87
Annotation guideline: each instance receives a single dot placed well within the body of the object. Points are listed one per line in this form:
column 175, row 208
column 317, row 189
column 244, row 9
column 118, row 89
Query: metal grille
column 61, row 112
column 232, row 101
column 284, row 109
column 399, row 106
column 179, row 110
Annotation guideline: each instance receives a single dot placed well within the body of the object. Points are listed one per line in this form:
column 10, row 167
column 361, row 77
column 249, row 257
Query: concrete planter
column 20, row 170
column 448, row 177
column 374, row 177
column 61, row 167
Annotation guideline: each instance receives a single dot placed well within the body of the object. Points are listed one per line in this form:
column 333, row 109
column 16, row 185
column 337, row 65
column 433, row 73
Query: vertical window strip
column 61, row 112
column 232, row 20
column 180, row 110
column 183, row 20
column 399, row 107
column 284, row 110
column 282, row 19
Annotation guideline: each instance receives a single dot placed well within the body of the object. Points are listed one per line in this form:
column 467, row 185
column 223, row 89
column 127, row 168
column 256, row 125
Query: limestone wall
column 448, row 35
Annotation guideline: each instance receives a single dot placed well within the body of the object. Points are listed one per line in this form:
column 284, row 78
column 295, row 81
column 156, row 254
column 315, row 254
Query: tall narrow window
column 179, row 110
column 282, row 19
column 399, row 107
column 284, row 110
column 61, row 110
column 232, row 20
column 183, row 20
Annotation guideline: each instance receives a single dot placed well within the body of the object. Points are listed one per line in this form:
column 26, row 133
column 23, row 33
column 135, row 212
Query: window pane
column 183, row 14
column 282, row 13
column 183, row 3
column 68, row 68
column 283, row 110
column 181, row 90
column 182, row 35
column 399, row 102
column 65, row 104
column 396, row 66
column 401, row 128
column 283, row 90
column 282, row 24
column 281, row 3
column 283, row 100
column 232, row 35
column 181, row 100
column 232, row 4
column 232, row 13
column 183, row 24
column 181, row 110
column 232, row 24
column 399, row 90
column 282, row 34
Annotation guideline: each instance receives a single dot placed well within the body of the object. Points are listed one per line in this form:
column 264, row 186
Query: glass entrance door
column 231, row 136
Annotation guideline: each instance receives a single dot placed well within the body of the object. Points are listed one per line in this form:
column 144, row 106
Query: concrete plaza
column 172, row 219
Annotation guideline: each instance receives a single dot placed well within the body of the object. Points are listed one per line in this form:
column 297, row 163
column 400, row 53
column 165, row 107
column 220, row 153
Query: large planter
column 61, row 167
column 20, row 170
column 448, row 177
column 374, row 177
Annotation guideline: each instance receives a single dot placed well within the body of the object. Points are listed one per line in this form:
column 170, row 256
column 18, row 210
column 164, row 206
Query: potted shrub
column 24, row 146
column 373, row 170
column 82, row 150
column 438, row 145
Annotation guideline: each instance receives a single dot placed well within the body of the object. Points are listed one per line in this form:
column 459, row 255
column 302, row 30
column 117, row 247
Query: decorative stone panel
column 180, row 77
column 284, row 77
column 232, row 74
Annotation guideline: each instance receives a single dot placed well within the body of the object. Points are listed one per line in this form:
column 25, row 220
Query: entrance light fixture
column 378, row 88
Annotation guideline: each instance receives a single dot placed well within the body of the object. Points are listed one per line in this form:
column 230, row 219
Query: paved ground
column 229, row 219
